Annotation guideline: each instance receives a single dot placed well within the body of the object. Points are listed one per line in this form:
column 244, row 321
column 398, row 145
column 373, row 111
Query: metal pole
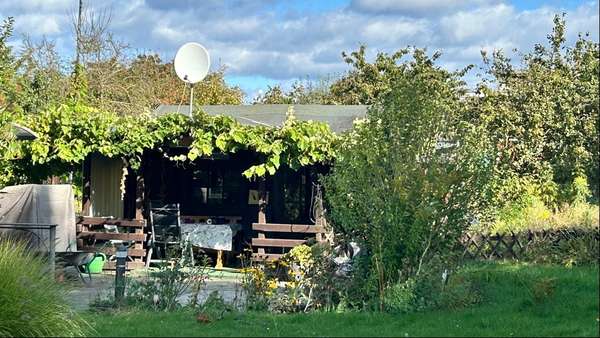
column 120, row 273
column 191, row 98
column 52, row 249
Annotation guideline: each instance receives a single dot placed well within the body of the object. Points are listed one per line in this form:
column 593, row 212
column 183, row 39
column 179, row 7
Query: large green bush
column 409, row 178
column 31, row 301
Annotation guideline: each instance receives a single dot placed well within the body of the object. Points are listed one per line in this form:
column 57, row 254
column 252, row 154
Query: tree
column 367, row 82
column 543, row 119
column 302, row 92
column 214, row 90
column 274, row 95
column 42, row 73
column 410, row 178
column 9, row 81
column 130, row 86
column 8, row 99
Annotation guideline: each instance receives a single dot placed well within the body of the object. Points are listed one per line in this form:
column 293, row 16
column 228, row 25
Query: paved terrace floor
column 80, row 295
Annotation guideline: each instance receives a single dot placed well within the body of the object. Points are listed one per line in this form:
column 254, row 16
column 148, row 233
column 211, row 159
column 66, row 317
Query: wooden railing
column 262, row 243
column 93, row 237
column 203, row 219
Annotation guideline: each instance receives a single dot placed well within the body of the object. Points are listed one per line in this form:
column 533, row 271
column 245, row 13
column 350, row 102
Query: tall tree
column 542, row 115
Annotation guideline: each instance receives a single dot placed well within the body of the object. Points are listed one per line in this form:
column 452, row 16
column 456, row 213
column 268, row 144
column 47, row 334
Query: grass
column 519, row 300
column 31, row 302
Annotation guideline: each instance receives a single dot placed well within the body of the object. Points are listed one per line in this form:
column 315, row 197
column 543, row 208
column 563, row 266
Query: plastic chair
column 165, row 230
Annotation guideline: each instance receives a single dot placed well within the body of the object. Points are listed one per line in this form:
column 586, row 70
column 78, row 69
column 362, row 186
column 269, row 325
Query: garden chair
column 165, row 230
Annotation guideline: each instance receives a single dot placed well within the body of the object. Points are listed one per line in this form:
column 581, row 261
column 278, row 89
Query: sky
column 270, row 42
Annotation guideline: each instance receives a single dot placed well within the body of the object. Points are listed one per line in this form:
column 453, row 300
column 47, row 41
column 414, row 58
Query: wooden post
column 262, row 206
column 262, row 201
column 139, row 196
column 86, row 202
column 219, row 264
column 140, row 189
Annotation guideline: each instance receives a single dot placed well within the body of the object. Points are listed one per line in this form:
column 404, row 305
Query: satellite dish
column 192, row 62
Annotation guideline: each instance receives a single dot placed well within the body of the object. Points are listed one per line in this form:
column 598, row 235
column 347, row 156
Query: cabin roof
column 338, row 117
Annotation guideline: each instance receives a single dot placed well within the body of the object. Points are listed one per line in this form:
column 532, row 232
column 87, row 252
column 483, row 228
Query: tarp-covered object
column 41, row 204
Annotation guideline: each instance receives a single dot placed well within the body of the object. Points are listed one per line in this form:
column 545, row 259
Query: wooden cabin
column 275, row 213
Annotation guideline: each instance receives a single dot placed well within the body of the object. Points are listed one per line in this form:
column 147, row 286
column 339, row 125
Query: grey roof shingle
column 338, row 117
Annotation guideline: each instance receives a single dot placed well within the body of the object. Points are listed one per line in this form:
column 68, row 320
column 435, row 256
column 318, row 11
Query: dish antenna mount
column 191, row 65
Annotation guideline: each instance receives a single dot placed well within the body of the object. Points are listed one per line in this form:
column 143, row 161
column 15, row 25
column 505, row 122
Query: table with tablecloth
column 211, row 236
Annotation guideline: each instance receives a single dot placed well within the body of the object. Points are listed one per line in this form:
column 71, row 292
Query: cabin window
column 214, row 184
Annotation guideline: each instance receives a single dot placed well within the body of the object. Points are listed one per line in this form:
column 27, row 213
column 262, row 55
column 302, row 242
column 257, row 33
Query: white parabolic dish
column 192, row 62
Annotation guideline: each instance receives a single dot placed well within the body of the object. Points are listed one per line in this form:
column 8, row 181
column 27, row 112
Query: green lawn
column 508, row 310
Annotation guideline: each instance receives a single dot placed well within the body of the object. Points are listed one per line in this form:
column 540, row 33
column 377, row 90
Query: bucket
column 96, row 265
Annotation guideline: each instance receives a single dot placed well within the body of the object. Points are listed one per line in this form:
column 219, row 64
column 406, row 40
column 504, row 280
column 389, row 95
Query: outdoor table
column 211, row 236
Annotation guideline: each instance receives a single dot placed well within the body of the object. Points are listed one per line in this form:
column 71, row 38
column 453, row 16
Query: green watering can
column 97, row 263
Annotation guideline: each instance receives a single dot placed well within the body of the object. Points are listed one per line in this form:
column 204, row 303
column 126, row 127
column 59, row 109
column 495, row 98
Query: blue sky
column 264, row 43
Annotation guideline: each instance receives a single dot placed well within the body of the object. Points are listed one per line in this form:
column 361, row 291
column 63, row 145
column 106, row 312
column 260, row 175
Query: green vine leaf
column 69, row 132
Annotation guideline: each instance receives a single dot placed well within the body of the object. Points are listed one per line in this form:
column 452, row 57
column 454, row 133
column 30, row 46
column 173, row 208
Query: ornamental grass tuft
column 32, row 303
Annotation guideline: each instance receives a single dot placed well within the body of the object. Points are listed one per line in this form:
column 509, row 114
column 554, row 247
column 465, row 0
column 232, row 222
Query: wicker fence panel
column 515, row 245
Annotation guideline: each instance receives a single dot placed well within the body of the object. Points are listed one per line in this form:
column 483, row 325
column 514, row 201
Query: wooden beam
column 111, row 235
column 299, row 228
column 276, row 242
column 134, row 223
column 86, row 201
column 112, row 251
column 265, row 257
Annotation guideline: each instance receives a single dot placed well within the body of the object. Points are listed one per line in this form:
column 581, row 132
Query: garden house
column 211, row 190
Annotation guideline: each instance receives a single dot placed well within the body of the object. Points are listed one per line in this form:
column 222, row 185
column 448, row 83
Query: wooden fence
column 515, row 245
column 93, row 236
column 262, row 244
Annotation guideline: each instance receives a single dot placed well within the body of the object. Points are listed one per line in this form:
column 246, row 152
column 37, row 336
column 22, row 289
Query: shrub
column 302, row 280
column 162, row 289
column 435, row 288
column 32, row 303
column 256, row 285
column 410, row 178
column 214, row 308
column 566, row 247
column 530, row 212
column 459, row 292
column 402, row 297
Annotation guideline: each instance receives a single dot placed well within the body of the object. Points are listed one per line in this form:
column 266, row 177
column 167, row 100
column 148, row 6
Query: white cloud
column 258, row 39
column 393, row 31
column 411, row 7
column 42, row 6
column 35, row 24
column 478, row 24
